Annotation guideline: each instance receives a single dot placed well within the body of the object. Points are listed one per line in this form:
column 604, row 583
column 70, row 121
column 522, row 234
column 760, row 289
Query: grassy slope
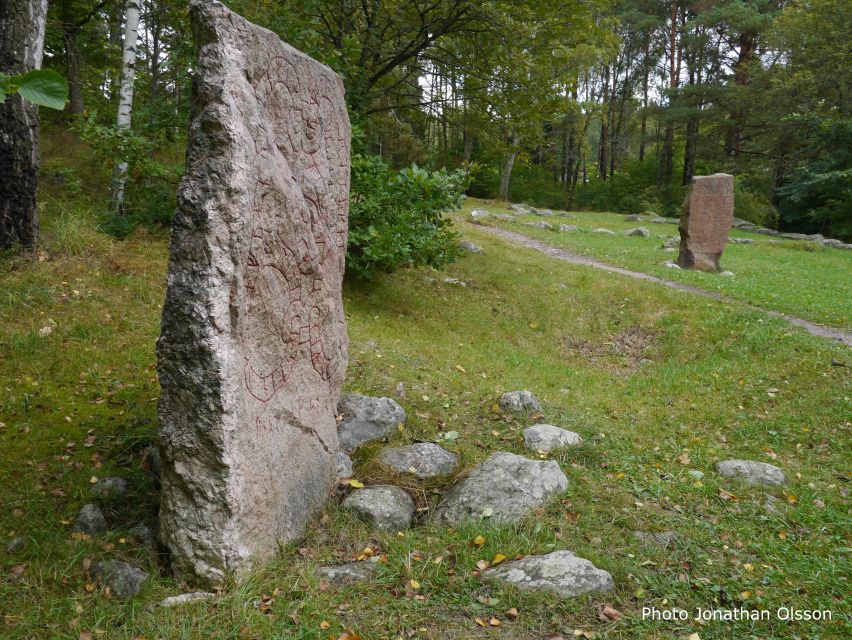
column 723, row 382
column 800, row 278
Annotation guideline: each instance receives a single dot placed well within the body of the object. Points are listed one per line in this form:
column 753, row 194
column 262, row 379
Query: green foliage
column 753, row 206
column 633, row 189
column 151, row 188
column 396, row 221
column 41, row 86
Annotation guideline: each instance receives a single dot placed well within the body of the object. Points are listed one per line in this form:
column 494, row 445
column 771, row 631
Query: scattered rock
column 111, row 487
column 726, row 274
column 546, row 437
column 743, row 225
column 664, row 220
column 422, row 459
column 506, row 487
column 519, row 208
column 124, row 580
column 384, row 506
column 344, row 465
column 602, row 230
column 671, row 265
column 772, row 505
column 837, row 244
column 695, row 474
column 16, row 545
column 633, row 217
column 399, row 392
column 470, row 247
column 568, row 227
column 455, row 281
column 560, row 572
column 366, row 419
column 144, row 535
column 186, row 598
column 543, row 212
column 503, row 216
column 671, row 243
column 347, row 573
column 565, row 214
column 659, row 539
column 741, row 240
column 751, row 472
column 90, row 520
column 479, row 214
column 638, row 231
column 519, row 401
column 539, row 224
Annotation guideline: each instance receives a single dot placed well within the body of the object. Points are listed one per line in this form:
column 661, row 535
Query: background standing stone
column 705, row 223
column 253, row 347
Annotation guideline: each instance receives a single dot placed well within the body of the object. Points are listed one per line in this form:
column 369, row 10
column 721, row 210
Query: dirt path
column 575, row 258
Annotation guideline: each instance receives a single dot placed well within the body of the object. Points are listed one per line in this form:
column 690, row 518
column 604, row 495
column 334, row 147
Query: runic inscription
column 254, row 346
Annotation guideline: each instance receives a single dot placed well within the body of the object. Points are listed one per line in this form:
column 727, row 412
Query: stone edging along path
column 575, row 258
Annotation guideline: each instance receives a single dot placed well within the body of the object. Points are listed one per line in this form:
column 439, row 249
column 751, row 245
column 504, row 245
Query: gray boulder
column 671, row 243
column 422, row 459
column 505, row 487
column 124, row 580
column 539, row 224
column 144, row 535
column 633, row 217
column 546, row 437
column 560, row 572
column 604, row 231
column 568, row 227
column 741, row 240
column 111, row 487
column 470, row 247
column 90, row 520
column 543, row 212
column 344, row 465
column 519, row 402
column 751, row 472
column 347, row 573
column 638, row 231
column 836, row 244
column 186, row 598
column 366, row 419
column 505, row 217
column 384, row 506
column 480, row 214
column 519, row 208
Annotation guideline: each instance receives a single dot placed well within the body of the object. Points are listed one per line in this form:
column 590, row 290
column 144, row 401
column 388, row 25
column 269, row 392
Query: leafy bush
column 396, row 221
column 753, row 207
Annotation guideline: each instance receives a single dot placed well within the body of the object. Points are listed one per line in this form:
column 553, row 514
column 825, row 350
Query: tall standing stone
column 705, row 223
column 253, row 347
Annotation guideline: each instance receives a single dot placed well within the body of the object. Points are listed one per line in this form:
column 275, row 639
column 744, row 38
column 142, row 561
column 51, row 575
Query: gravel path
column 575, row 258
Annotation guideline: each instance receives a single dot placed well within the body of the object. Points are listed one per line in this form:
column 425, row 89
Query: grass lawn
column 657, row 382
column 799, row 278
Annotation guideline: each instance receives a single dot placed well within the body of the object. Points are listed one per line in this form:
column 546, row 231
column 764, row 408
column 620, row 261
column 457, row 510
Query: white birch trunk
column 125, row 98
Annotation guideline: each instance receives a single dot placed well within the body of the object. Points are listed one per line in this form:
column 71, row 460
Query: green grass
column 647, row 375
column 799, row 278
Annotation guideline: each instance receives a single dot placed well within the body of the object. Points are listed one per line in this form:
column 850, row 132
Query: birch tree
column 125, row 100
column 22, row 26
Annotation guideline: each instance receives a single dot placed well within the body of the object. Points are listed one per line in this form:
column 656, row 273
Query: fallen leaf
column 482, row 565
column 460, row 368
column 494, row 622
column 512, row 614
column 480, row 622
column 606, row 612
column 479, row 541
column 356, row 484
column 325, row 625
column 498, row 559
column 684, row 458
column 414, row 584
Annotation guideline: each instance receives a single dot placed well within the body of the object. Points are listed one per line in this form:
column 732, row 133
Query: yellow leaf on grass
column 414, row 584
column 479, row 541
column 356, row 484
column 494, row 622
column 480, row 622
column 498, row 559
column 460, row 368
column 325, row 624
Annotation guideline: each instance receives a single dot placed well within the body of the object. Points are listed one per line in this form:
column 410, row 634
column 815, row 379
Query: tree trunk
column 689, row 152
column 70, row 31
column 125, row 100
column 604, row 141
column 738, row 115
column 22, row 26
column 468, row 145
column 646, row 70
column 506, row 175
column 667, row 160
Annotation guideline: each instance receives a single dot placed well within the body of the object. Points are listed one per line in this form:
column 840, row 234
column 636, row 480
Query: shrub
column 396, row 220
column 753, row 207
